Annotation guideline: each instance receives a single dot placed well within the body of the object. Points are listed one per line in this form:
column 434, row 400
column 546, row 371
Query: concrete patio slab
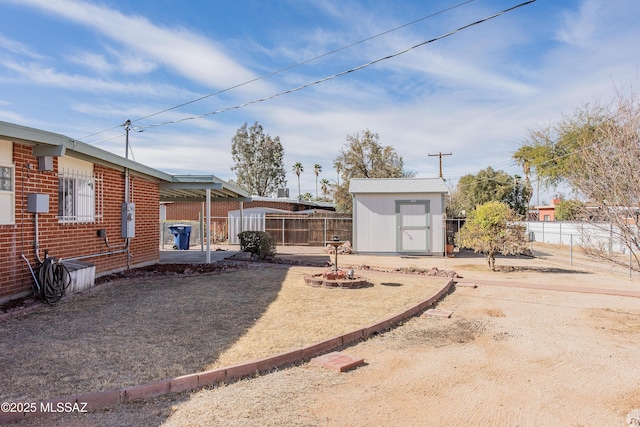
column 193, row 256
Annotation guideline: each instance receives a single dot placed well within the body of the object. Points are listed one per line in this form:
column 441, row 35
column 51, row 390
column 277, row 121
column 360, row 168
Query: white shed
column 251, row 219
column 398, row 215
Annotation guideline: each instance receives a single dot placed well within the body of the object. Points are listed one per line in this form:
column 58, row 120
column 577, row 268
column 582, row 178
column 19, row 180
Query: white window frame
column 80, row 197
column 8, row 195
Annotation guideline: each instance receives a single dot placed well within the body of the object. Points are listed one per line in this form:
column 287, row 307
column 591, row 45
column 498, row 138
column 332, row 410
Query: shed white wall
column 375, row 221
column 253, row 221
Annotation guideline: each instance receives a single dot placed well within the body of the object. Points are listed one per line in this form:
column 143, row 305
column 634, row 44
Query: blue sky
column 81, row 68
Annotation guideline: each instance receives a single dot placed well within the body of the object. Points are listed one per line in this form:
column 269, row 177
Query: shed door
column 413, row 226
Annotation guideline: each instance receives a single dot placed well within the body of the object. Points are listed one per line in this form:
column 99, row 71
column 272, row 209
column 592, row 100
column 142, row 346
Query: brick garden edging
column 110, row 398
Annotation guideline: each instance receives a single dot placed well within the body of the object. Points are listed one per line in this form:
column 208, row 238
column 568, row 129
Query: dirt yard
column 516, row 351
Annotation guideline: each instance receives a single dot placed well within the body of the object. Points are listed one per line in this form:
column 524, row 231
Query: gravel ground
column 509, row 355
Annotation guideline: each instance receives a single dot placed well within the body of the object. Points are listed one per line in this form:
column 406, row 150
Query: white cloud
column 130, row 62
column 116, row 62
column 17, row 48
column 189, row 54
column 473, row 94
column 580, row 25
column 48, row 76
column 92, row 61
column 11, row 116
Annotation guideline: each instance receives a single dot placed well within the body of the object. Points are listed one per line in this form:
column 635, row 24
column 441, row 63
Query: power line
column 333, row 76
column 264, row 76
column 308, row 60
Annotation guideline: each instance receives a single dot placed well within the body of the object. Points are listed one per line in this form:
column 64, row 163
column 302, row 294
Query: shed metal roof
column 397, row 185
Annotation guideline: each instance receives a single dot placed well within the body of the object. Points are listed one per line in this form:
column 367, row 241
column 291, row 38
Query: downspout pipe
column 208, row 224
column 36, row 244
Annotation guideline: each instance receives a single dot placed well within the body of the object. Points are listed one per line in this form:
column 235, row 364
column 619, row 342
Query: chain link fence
column 572, row 242
column 594, row 246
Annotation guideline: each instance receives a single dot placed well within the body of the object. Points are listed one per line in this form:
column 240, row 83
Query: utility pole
column 440, row 156
column 127, row 127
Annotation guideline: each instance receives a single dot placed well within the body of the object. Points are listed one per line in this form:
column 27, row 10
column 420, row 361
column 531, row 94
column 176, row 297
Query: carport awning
column 201, row 188
column 193, row 188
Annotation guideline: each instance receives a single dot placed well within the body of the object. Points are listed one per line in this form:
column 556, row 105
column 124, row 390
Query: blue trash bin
column 181, row 234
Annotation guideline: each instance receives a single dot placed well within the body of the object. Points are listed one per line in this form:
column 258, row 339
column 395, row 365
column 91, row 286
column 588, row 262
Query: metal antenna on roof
column 440, row 155
column 127, row 126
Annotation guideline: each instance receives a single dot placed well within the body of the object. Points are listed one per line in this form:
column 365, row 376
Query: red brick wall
column 74, row 240
column 189, row 211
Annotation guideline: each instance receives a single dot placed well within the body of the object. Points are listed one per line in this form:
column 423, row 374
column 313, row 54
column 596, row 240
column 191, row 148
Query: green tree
column 363, row 157
column 306, row 197
column 258, row 160
column 596, row 151
column 569, row 210
column 518, row 198
column 486, row 186
column 492, row 229
column 317, row 169
column 298, row 169
column 554, row 152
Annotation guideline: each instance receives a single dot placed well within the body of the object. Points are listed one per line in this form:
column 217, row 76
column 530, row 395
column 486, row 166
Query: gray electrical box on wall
column 45, row 163
column 38, row 203
column 128, row 220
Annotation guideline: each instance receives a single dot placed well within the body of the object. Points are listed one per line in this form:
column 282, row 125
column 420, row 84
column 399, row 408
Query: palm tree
column 317, row 169
column 338, row 167
column 324, row 186
column 298, row 169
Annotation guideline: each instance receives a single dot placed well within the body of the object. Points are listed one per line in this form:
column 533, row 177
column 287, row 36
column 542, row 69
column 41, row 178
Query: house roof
column 397, row 185
column 259, row 210
column 311, row 204
column 172, row 187
column 192, row 188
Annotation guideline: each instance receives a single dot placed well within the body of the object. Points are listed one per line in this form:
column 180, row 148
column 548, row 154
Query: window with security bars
column 79, row 197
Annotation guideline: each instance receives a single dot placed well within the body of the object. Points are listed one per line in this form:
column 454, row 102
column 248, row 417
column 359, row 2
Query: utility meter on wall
column 128, row 220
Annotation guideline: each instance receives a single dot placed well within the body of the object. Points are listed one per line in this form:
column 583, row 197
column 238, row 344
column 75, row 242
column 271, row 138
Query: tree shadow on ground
column 311, row 260
column 469, row 253
column 133, row 331
column 549, row 270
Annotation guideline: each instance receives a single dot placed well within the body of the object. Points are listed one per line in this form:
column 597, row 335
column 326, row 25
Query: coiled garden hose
column 54, row 278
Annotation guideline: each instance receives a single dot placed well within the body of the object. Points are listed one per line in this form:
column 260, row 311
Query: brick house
column 548, row 213
column 65, row 199
column 192, row 212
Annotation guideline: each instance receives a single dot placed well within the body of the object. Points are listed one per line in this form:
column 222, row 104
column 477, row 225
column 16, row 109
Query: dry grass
column 150, row 329
column 432, row 371
column 302, row 315
column 281, row 398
